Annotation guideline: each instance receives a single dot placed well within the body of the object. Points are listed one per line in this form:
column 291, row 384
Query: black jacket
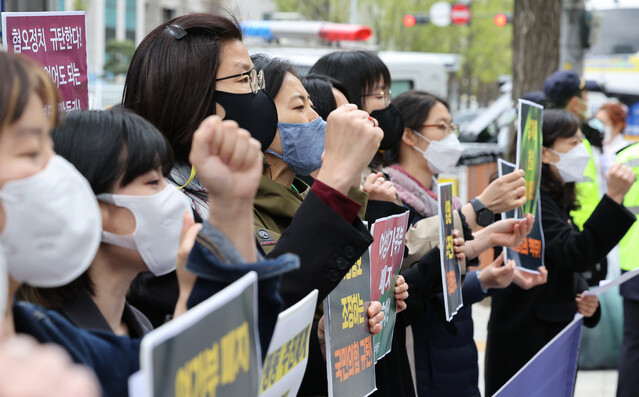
column 522, row 322
column 327, row 245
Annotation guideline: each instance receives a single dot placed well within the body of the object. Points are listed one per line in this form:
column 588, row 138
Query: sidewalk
column 589, row 383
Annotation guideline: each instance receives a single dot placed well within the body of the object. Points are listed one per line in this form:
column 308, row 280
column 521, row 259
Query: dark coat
column 522, row 322
column 85, row 314
column 324, row 261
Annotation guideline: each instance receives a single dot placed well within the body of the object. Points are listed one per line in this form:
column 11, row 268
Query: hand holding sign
column 375, row 317
column 497, row 276
column 511, row 232
column 587, row 304
column 527, row 280
column 378, row 188
column 459, row 245
column 505, row 193
column 401, row 293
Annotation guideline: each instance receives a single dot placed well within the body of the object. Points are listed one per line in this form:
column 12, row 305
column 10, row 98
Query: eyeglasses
column 385, row 95
column 446, row 128
column 256, row 79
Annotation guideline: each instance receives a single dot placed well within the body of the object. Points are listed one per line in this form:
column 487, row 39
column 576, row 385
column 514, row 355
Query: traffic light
column 411, row 19
column 502, row 19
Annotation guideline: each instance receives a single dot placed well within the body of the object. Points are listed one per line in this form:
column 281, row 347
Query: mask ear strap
column 421, row 136
column 191, row 177
column 118, row 240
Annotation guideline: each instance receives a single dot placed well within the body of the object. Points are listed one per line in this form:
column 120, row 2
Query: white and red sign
column 387, row 254
column 57, row 40
column 460, row 14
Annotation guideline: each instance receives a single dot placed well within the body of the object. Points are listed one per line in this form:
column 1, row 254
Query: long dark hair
column 558, row 124
column 320, row 89
column 171, row 78
column 415, row 107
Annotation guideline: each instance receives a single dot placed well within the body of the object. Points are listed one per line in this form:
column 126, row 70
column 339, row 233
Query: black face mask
column 256, row 113
column 391, row 122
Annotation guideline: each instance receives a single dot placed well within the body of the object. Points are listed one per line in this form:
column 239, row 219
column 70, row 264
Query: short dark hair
column 358, row 71
column 320, row 89
column 274, row 70
column 171, row 78
column 558, row 124
column 103, row 146
column 22, row 77
column 415, row 107
column 107, row 145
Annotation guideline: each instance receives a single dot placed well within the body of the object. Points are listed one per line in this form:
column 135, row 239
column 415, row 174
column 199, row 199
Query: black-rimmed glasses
column 256, row 79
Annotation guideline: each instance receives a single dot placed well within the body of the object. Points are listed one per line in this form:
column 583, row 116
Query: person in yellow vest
column 566, row 90
column 628, row 382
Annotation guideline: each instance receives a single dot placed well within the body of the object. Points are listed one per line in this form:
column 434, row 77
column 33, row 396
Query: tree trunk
column 536, row 26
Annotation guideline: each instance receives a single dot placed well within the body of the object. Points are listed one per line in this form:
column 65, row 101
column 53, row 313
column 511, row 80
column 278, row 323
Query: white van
column 409, row 70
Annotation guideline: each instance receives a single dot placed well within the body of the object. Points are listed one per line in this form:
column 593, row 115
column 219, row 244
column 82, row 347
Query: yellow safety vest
column 628, row 258
column 588, row 193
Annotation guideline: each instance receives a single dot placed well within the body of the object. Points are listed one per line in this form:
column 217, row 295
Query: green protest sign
column 387, row 254
column 349, row 345
column 451, row 272
column 529, row 144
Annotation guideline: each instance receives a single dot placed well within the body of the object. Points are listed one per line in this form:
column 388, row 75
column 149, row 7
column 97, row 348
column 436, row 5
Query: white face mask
column 53, row 224
column 442, row 156
column 572, row 164
column 158, row 224
column 607, row 133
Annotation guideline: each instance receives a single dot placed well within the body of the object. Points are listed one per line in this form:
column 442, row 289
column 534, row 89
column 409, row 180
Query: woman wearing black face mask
column 50, row 223
column 210, row 72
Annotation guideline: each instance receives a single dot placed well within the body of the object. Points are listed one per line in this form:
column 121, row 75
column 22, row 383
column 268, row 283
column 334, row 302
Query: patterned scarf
column 414, row 194
column 196, row 193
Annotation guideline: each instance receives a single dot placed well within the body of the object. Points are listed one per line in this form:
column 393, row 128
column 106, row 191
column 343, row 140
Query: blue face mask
column 302, row 145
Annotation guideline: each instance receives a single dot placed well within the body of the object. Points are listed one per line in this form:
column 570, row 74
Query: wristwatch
column 484, row 216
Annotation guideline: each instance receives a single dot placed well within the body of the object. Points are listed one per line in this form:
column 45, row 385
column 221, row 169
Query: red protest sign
column 387, row 252
column 57, row 40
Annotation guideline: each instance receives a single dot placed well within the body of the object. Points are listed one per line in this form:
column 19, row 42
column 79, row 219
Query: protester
column 368, row 82
column 566, row 90
column 50, row 215
column 124, row 158
column 210, row 72
column 522, row 322
column 445, row 353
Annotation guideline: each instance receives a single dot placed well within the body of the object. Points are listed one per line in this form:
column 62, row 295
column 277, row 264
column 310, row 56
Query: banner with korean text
column 57, row 40
column 213, row 349
column 387, row 254
column 349, row 344
column 287, row 355
column 451, row 272
column 530, row 254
